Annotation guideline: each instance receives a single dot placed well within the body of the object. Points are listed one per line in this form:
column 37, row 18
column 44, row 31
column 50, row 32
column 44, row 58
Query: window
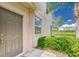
column 38, row 24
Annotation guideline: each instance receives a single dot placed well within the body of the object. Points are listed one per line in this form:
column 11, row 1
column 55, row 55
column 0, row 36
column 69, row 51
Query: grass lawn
column 64, row 33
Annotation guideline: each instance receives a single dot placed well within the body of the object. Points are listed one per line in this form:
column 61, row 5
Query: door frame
column 27, row 22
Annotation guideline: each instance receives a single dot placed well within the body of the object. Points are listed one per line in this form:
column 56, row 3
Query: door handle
column 2, row 40
column 1, row 34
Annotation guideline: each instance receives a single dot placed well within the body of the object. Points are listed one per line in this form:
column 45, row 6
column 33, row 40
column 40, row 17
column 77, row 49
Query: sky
column 38, row 22
column 67, row 13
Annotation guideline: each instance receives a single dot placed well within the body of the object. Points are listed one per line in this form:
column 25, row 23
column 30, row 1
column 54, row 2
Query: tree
column 58, row 22
column 52, row 6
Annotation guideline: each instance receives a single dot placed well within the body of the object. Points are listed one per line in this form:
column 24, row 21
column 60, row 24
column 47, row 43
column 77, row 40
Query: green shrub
column 74, row 48
column 63, row 44
column 50, row 43
column 41, row 42
column 70, row 45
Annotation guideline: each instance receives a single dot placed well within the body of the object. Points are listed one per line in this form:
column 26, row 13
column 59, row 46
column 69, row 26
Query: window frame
column 35, row 31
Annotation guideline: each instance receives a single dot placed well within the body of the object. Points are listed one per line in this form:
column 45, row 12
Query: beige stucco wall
column 27, row 22
column 46, row 21
column 77, row 19
column 46, row 25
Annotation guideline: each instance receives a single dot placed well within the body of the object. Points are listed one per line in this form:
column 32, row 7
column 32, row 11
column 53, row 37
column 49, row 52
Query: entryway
column 10, row 33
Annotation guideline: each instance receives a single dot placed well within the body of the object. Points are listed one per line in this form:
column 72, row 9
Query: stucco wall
column 46, row 21
column 46, row 25
column 77, row 19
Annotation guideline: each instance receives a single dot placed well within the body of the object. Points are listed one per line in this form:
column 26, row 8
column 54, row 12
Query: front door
column 10, row 33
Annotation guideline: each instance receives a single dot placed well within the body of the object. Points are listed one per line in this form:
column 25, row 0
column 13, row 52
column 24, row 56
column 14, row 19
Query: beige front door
column 10, row 33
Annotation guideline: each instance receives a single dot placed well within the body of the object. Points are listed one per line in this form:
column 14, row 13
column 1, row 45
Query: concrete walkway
column 44, row 53
column 39, row 53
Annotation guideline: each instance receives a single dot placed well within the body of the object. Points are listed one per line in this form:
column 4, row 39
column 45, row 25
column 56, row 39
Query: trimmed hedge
column 69, row 45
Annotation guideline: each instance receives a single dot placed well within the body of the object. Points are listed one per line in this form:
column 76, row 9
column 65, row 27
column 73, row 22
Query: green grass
column 64, row 33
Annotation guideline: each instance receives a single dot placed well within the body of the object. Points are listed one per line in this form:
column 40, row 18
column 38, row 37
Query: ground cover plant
column 63, row 43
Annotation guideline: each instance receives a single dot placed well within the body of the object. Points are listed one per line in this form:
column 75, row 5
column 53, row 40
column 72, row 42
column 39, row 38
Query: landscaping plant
column 69, row 45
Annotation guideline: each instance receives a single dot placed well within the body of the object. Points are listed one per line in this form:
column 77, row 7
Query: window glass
column 38, row 24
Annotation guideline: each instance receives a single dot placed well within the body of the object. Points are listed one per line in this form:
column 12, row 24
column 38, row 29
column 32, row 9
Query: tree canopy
column 51, row 6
